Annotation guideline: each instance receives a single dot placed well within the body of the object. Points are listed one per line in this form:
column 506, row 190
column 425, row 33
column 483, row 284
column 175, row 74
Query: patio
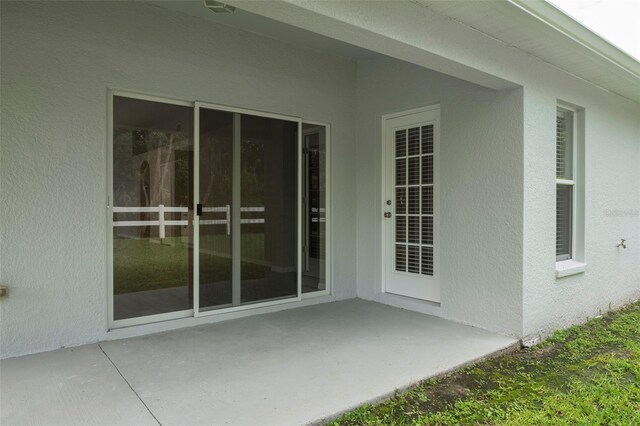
column 290, row 367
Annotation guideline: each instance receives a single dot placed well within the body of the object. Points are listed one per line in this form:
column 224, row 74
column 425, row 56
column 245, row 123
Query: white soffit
column 544, row 31
column 257, row 24
column 292, row 23
column 532, row 26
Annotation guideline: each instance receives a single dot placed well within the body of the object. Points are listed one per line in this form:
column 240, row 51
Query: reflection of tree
column 132, row 148
column 252, row 173
column 215, row 170
column 216, row 165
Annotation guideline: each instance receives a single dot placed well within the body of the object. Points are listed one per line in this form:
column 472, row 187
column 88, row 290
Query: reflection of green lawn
column 142, row 264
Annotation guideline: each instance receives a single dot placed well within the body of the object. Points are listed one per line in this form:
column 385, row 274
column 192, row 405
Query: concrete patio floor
column 290, row 367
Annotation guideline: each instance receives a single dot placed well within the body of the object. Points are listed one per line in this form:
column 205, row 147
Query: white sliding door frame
column 235, row 222
column 328, row 273
column 195, row 311
column 113, row 323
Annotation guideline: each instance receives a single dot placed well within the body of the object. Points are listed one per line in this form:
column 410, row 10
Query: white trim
column 196, row 219
column 152, row 98
column 569, row 267
column 299, row 212
column 236, row 214
column 147, row 319
column 247, row 111
column 418, row 110
column 214, row 311
column 109, row 230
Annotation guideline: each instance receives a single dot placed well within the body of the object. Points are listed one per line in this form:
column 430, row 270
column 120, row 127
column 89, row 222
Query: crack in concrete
column 129, row 384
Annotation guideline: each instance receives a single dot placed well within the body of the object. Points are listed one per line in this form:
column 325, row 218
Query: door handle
column 387, row 214
column 199, row 209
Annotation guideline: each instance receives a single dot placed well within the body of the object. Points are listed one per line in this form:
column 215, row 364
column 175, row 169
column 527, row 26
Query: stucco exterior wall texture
column 612, row 209
column 497, row 155
column 480, row 191
column 58, row 61
column 612, row 146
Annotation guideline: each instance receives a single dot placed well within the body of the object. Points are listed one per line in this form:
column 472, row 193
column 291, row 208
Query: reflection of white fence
column 162, row 222
column 227, row 220
column 318, row 215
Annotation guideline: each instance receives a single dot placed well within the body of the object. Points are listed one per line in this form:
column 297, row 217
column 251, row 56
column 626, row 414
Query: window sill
column 569, row 267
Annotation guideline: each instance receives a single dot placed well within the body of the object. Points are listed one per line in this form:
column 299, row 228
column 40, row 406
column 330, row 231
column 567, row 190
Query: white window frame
column 575, row 263
column 191, row 315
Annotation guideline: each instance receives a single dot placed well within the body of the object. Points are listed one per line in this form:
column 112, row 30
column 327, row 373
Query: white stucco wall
column 436, row 41
column 612, row 205
column 58, row 60
column 480, row 191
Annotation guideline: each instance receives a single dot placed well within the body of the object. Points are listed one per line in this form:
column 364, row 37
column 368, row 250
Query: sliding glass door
column 216, row 179
column 212, row 209
column 152, row 195
column 247, row 209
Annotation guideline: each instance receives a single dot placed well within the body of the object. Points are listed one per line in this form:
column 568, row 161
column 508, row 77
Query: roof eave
column 565, row 24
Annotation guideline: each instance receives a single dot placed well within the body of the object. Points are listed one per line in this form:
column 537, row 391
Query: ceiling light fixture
column 219, row 7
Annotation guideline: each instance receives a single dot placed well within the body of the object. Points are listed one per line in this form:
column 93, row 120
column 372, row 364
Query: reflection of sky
column 618, row 21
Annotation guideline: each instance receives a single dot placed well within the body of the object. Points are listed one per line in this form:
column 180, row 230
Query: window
column 570, row 190
column 565, row 183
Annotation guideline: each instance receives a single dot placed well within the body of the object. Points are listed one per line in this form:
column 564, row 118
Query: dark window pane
column 563, row 221
column 268, row 169
column 152, row 179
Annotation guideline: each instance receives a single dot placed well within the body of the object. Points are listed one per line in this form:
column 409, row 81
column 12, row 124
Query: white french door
column 410, row 240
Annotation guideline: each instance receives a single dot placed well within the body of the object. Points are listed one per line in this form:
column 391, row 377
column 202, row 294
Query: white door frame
column 385, row 196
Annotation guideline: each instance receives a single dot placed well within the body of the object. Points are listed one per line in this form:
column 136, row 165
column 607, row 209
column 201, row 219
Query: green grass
column 584, row 375
column 145, row 264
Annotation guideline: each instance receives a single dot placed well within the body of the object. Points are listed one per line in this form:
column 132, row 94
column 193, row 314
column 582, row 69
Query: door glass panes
column 152, row 195
column 314, row 208
column 268, row 209
column 216, row 188
column 414, row 198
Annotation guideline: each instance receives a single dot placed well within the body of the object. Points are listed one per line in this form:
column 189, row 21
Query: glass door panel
column 152, row 192
column 244, row 246
column 314, row 207
column 216, row 189
column 268, row 243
